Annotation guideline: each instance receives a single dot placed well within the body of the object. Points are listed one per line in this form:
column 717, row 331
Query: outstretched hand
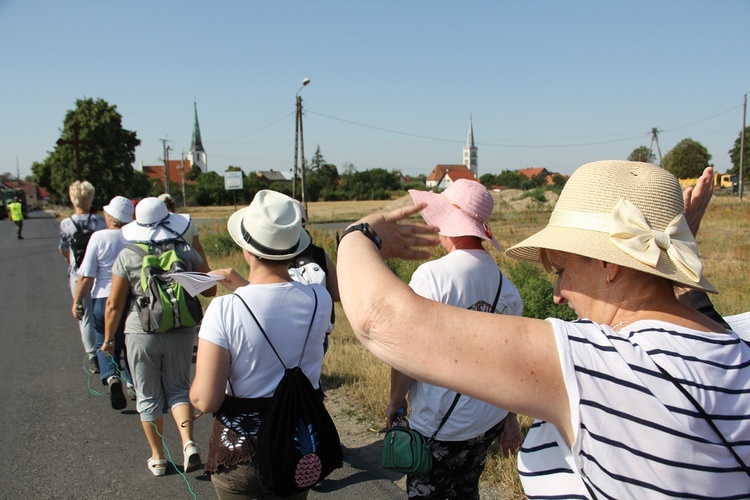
column 696, row 199
column 403, row 241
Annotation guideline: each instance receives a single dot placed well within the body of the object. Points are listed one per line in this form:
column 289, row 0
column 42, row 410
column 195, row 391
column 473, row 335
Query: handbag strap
column 307, row 337
column 497, row 295
column 458, row 394
column 445, row 417
column 705, row 416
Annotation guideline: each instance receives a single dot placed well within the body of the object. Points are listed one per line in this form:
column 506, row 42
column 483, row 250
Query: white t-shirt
column 467, row 279
column 101, row 252
column 637, row 435
column 285, row 311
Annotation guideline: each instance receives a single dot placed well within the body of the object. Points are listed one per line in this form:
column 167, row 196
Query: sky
column 393, row 84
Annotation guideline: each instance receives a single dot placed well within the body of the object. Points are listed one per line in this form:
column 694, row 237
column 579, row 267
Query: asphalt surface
column 59, row 437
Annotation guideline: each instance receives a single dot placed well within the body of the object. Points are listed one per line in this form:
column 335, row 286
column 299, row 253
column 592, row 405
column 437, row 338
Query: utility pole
column 742, row 146
column 167, row 149
column 299, row 144
column 655, row 137
column 76, row 143
column 182, row 169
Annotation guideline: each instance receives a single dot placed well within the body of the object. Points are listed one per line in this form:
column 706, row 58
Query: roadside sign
column 232, row 180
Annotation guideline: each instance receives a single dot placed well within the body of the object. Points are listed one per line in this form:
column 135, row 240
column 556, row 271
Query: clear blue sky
column 548, row 83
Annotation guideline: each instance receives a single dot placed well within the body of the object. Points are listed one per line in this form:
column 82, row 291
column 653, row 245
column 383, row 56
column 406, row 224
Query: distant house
column 531, row 173
column 452, row 176
column 437, row 177
column 177, row 168
column 272, row 176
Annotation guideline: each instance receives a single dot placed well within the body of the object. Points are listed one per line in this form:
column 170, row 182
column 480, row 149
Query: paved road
column 59, row 437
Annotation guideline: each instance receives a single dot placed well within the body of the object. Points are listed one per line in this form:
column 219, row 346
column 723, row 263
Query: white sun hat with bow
column 623, row 212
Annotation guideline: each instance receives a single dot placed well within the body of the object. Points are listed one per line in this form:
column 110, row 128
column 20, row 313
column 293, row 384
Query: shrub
column 536, row 292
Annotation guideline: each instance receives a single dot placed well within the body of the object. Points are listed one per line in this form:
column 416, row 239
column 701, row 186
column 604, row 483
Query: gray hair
column 81, row 194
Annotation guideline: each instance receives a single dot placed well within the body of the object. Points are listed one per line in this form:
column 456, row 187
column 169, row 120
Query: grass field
column 724, row 243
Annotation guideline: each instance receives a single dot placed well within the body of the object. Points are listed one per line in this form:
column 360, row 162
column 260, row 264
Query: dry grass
column 724, row 242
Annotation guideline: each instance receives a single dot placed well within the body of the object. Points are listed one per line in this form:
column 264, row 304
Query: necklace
column 630, row 319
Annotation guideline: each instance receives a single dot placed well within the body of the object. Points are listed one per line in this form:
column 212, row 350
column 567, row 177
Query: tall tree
column 734, row 154
column 642, row 153
column 687, row 159
column 107, row 157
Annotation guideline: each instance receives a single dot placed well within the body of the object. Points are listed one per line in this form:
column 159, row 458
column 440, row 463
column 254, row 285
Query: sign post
column 233, row 182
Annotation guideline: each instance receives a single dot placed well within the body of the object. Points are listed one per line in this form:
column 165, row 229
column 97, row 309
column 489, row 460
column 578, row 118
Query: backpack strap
column 307, row 337
column 79, row 228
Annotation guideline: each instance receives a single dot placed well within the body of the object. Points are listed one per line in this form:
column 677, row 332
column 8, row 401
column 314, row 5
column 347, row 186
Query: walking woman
column 159, row 362
column 642, row 397
column 236, row 364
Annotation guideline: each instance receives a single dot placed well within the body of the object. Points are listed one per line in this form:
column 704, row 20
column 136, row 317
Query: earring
column 609, row 279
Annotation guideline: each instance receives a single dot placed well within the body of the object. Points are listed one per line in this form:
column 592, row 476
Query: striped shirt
column 637, row 435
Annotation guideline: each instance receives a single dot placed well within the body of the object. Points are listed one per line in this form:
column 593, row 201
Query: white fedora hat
column 120, row 208
column 270, row 227
column 627, row 213
column 154, row 223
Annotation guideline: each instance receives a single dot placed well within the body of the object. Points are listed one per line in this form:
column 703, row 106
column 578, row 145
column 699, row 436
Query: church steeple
column 197, row 155
column 470, row 152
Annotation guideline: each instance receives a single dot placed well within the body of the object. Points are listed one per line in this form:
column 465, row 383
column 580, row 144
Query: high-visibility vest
column 16, row 211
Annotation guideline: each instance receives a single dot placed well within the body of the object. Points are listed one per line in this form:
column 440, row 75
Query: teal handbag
column 407, row 451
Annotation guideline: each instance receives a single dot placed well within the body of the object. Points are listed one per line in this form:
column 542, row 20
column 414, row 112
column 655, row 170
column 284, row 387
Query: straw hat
column 154, row 223
column 120, row 208
column 270, row 228
column 626, row 213
column 463, row 209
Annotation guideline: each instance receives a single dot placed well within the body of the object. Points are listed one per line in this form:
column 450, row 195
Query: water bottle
column 400, row 420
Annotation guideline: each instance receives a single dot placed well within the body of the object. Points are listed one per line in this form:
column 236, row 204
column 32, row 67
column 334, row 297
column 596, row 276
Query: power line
column 500, row 145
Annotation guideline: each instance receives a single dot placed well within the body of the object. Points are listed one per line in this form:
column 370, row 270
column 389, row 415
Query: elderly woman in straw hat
column 641, row 397
column 235, row 362
column 159, row 362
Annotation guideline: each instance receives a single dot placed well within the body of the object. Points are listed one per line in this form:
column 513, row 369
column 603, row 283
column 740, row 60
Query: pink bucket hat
column 464, row 209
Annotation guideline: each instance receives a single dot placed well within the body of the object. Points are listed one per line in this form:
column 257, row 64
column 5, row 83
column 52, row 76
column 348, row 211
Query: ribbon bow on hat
column 631, row 233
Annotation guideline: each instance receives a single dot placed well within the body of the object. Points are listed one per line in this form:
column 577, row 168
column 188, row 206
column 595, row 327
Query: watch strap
column 365, row 229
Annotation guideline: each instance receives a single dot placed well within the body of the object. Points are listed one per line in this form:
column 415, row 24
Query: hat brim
column 171, row 229
column 234, row 226
column 595, row 245
column 449, row 219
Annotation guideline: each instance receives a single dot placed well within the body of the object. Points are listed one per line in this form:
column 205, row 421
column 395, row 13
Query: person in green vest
column 15, row 213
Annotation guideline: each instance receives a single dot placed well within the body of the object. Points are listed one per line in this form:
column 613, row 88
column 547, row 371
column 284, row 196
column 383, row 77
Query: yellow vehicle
column 721, row 181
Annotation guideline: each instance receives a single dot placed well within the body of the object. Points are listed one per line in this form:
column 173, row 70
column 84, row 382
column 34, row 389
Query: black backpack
column 80, row 240
column 298, row 444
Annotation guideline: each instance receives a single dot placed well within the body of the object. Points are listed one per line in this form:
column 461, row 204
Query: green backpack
column 163, row 304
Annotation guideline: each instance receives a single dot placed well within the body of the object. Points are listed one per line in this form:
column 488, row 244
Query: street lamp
column 299, row 144
column 742, row 145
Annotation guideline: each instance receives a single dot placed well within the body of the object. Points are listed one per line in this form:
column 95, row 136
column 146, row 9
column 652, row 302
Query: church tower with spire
column 470, row 152
column 197, row 155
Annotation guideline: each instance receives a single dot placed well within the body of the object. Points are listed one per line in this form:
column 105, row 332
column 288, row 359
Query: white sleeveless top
column 637, row 435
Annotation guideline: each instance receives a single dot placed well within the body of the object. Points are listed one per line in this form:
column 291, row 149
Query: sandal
column 157, row 467
column 191, row 452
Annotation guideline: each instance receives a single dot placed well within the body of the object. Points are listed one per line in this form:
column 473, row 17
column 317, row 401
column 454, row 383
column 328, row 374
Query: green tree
column 210, row 190
column 107, row 163
column 642, row 153
column 374, row 184
column 687, row 159
column 195, row 172
column 734, row 154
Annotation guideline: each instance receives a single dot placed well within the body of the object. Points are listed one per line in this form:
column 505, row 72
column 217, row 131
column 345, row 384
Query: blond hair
column 81, row 194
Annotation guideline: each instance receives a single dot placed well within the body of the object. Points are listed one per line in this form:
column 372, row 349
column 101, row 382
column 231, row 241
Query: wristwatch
column 111, row 342
column 367, row 230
